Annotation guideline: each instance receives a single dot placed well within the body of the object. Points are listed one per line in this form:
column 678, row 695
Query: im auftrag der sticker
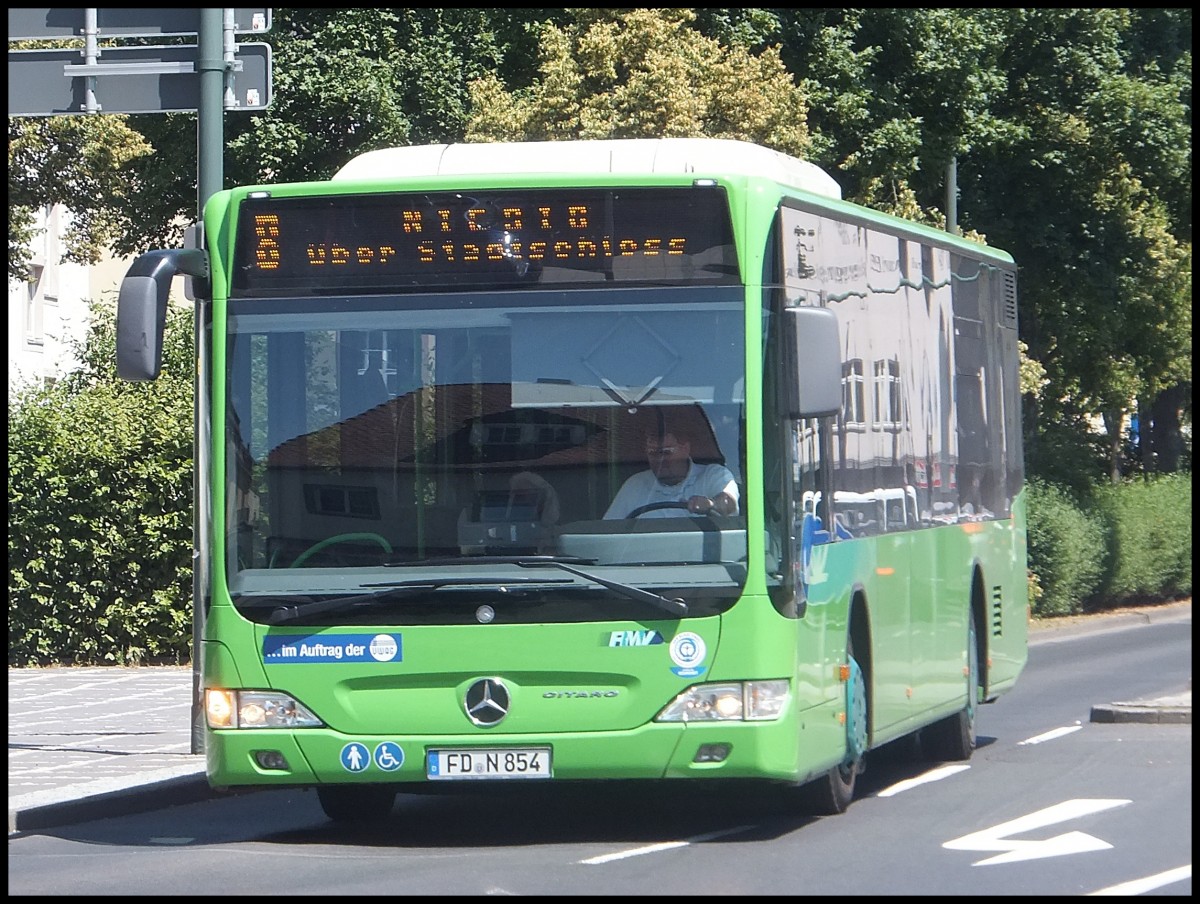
column 290, row 649
column 688, row 652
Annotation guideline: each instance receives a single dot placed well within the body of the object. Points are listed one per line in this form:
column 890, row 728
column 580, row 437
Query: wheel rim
column 857, row 726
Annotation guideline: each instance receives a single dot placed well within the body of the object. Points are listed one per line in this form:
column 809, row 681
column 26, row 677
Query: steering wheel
column 655, row 506
column 340, row 538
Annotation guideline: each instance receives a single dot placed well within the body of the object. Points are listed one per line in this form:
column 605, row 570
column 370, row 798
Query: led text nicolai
column 442, row 236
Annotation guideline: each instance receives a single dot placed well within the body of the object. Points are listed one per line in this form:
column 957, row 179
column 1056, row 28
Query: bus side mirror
column 142, row 309
column 812, row 363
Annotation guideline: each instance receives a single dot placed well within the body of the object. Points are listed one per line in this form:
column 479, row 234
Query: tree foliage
column 643, row 73
column 100, row 509
column 79, row 161
column 1070, row 129
column 345, row 81
column 1080, row 196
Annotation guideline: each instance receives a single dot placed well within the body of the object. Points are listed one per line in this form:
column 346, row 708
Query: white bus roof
column 622, row 155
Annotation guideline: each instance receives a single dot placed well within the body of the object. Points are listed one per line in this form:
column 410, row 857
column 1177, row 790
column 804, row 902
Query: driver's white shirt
column 643, row 488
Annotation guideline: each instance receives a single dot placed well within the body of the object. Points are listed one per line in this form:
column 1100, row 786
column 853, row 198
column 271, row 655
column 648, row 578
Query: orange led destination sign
column 538, row 237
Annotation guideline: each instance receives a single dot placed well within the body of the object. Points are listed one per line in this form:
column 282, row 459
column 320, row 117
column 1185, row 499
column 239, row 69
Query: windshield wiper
column 390, row 592
column 672, row 606
column 399, row 589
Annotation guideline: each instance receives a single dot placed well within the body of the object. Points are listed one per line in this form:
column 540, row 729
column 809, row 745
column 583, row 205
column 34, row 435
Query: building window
column 34, row 307
column 887, row 394
column 853, row 404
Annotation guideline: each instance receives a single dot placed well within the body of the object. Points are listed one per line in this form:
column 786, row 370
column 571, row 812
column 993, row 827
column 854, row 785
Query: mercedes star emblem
column 487, row 702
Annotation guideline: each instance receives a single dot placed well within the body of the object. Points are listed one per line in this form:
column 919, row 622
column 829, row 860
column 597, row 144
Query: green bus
column 643, row 459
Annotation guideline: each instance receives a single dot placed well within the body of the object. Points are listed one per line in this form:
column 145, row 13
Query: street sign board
column 40, row 85
column 40, row 24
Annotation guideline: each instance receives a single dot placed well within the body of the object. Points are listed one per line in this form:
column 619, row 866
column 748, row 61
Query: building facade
column 48, row 314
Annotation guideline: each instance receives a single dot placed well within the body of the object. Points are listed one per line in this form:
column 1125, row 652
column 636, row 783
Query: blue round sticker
column 389, row 756
column 355, row 757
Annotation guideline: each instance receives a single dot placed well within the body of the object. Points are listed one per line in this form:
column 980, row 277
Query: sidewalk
column 87, row 743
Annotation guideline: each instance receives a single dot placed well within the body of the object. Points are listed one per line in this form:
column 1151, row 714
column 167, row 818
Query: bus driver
column 674, row 478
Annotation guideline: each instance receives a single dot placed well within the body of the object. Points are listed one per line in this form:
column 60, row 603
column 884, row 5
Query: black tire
column 832, row 793
column 356, row 803
column 953, row 738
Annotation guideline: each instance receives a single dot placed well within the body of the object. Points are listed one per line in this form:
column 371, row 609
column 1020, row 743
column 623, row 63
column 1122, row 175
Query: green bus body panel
column 591, row 701
column 659, row 751
column 917, row 588
column 562, row 678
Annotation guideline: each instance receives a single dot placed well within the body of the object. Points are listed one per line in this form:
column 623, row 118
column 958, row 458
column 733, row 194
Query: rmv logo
column 634, row 638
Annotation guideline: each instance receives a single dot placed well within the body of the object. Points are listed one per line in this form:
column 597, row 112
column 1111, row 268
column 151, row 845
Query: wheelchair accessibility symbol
column 389, row 756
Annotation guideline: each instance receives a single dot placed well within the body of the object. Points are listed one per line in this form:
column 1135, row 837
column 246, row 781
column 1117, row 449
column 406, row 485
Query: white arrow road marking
column 996, row 838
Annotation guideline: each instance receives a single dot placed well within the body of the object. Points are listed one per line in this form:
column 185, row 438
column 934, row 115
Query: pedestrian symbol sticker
column 388, row 756
column 355, row 757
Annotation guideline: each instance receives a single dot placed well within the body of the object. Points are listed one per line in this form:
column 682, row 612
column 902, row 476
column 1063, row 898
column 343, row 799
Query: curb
column 44, row 811
column 1143, row 712
column 1051, row 630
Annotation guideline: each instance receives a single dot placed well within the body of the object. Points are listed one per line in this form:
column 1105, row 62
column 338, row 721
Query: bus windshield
column 379, row 438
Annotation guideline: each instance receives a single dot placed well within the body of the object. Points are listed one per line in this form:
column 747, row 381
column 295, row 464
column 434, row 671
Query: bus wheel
column 356, row 803
column 953, row 738
column 832, row 793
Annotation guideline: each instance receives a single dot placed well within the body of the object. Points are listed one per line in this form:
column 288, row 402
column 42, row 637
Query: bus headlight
column 743, row 701
column 255, row 709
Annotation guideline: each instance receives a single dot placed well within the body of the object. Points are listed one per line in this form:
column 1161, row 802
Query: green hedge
column 1149, row 550
column 1066, row 550
column 1121, row 544
column 100, row 512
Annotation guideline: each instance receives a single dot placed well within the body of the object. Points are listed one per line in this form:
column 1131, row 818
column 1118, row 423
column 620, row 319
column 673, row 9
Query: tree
column 640, row 73
column 74, row 160
column 1071, row 129
column 894, row 94
column 1106, row 281
column 344, row 81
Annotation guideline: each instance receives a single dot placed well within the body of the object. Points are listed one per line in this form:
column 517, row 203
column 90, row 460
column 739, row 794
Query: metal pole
column 210, row 148
column 952, row 196
column 91, row 52
column 210, row 117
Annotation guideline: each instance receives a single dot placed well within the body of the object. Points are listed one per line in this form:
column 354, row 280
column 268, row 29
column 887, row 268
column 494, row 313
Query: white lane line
column 1137, row 886
column 662, row 846
column 933, row 775
column 1051, row 735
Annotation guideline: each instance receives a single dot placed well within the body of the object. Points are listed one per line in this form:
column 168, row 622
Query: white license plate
column 489, row 762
